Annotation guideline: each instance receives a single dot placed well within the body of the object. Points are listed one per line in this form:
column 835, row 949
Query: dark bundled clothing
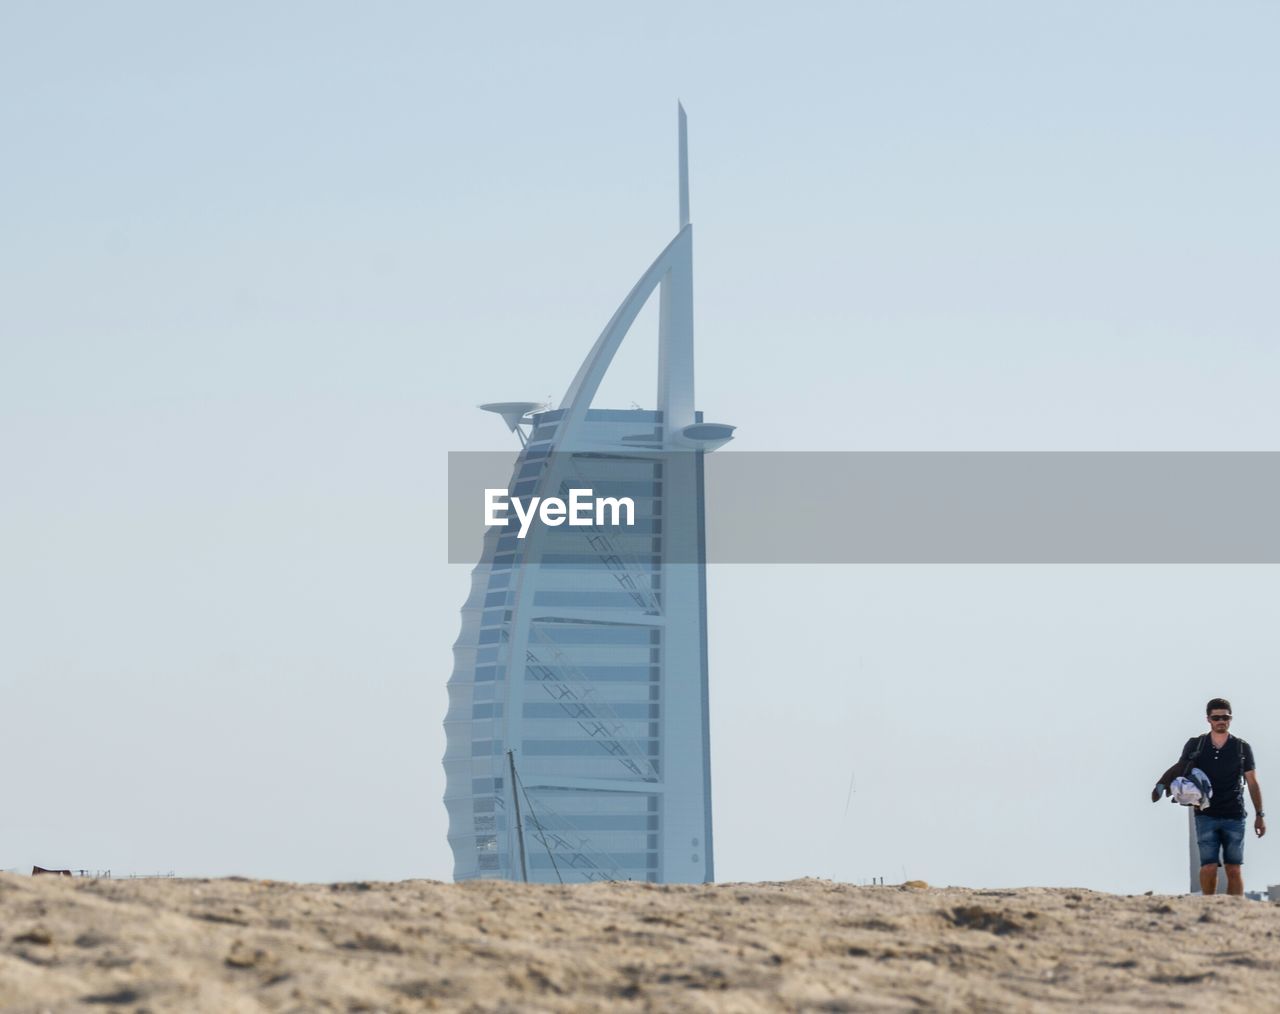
column 1225, row 766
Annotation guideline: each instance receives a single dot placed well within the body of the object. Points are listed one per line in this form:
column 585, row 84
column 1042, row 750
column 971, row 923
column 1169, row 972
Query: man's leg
column 1209, row 842
column 1233, row 855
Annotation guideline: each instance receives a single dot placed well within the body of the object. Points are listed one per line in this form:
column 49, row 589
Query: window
column 588, row 599
column 623, row 415
column 595, row 822
column 592, row 673
column 551, row 709
column 568, row 633
column 578, row 747
column 626, row 860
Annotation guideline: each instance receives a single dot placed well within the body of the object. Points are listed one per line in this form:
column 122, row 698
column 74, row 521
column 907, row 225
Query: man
column 1226, row 760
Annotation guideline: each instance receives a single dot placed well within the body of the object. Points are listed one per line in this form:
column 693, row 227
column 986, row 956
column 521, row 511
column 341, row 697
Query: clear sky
column 258, row 264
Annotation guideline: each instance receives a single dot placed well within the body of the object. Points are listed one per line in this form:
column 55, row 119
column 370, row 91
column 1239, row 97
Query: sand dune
column 807, row 945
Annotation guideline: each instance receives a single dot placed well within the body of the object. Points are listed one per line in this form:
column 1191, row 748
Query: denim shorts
column 1226, row 833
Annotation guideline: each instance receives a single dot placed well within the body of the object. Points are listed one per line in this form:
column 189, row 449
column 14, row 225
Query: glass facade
column 563, row 661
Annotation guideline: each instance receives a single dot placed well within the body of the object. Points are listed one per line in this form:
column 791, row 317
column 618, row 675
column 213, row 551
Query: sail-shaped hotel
column 577, row 731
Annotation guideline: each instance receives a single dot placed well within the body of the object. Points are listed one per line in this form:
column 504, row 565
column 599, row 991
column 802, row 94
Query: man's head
column 1218, row 714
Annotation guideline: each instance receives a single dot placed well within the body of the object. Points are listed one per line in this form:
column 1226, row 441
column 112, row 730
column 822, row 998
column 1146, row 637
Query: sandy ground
column 807, row 945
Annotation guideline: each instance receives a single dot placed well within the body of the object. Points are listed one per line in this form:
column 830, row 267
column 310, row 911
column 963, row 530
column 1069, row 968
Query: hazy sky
column 258, row 263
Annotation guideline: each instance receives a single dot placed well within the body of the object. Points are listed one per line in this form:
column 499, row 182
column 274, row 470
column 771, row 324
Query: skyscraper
column 577, row 731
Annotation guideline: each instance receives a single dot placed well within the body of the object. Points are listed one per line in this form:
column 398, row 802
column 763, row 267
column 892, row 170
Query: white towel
column 1195, row 790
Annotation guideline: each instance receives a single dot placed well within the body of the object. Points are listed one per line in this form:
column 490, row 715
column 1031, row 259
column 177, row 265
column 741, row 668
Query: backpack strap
column 1195, row 755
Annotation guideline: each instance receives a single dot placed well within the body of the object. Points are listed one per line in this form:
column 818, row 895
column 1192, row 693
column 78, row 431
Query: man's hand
column 1259, row 826
column 1157, row 792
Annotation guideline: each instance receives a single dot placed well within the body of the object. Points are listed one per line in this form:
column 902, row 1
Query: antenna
column 684, row 166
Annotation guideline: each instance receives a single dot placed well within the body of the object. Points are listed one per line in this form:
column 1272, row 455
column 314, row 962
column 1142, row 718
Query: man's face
column 1219, row 720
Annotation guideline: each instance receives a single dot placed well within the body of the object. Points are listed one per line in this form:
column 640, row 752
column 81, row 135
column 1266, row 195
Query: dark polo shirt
column 1225, row 770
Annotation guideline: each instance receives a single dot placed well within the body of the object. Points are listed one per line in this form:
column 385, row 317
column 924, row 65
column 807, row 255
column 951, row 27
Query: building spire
column 672, row 275
column 684, row 166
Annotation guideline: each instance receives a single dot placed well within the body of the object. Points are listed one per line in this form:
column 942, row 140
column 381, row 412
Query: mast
column 672, row 275
column 675, row 307
column 684, row 166
column 515, row 798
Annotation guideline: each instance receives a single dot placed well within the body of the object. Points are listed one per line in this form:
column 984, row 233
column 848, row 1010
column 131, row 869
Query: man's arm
column 1163, row 782
column 1255, row 793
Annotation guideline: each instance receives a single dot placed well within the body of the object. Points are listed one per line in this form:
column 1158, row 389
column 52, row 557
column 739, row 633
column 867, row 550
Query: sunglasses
column 1219, row 718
